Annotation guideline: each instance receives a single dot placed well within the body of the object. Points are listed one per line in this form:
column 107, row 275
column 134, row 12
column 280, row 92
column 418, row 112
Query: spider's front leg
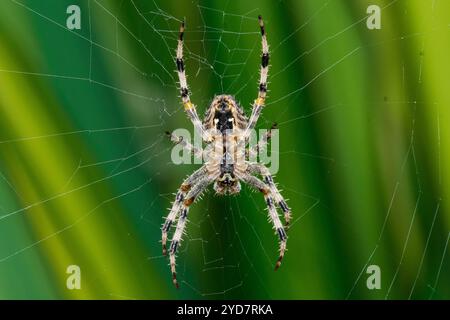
column 260, row 101
column 189, row 107
column 273, row 214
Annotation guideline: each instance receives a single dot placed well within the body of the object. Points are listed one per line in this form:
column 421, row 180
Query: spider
column 226, row 130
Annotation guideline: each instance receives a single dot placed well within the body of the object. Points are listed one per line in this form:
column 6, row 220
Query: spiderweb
column 126, row 61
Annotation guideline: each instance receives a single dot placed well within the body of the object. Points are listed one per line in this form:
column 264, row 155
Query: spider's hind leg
column 257, row 168
column 177, row 204
column 193, row 193
column 273, row 214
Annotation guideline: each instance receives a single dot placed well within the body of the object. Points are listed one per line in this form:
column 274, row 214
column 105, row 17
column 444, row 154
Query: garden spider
column 226, row 131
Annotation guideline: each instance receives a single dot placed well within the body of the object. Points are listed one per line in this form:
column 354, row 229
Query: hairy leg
column 257, row 168
column 187, row 185
column 196, row 152
column 260, row 101
column 189, row 107
column 196, row 190
column 273, row 214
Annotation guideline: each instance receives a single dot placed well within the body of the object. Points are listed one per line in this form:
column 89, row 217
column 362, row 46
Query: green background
column 85, row 169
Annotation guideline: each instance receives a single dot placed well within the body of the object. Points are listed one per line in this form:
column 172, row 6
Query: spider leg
column 189, row 107
column 254, row 150
column 198, row 153
column 196, row 190
column 187, row 185
column 273, row 214
column 259, row 102
column 257, row 168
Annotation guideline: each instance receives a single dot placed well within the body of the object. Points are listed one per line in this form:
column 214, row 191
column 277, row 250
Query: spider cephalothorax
column 226, row 131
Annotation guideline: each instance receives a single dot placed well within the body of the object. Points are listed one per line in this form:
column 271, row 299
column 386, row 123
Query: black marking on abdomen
column 223, row 123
